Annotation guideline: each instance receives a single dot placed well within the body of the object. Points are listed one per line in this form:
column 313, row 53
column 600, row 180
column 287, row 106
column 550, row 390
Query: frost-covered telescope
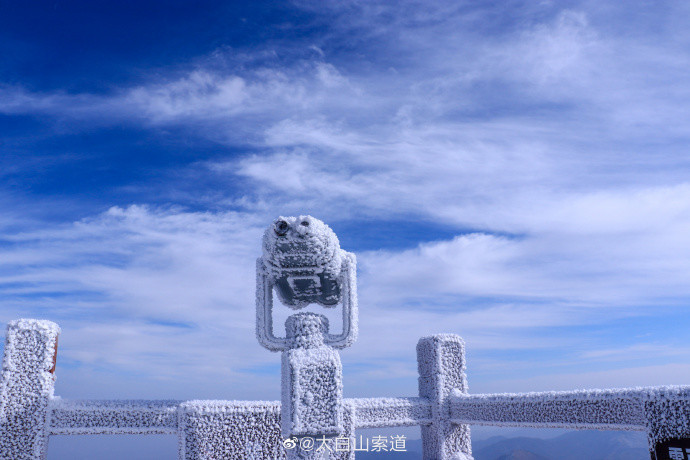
column 302, row 260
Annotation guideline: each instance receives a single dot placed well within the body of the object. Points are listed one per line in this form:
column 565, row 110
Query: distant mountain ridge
column 574, row 445
column 519, row 454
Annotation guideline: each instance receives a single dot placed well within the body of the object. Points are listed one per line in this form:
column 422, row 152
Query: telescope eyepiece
column 281, row 228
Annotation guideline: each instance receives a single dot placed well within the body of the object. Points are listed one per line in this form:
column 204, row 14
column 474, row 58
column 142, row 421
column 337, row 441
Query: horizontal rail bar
column 73, row 417
column 113, row 417
column 390, row 412
column 615, row 409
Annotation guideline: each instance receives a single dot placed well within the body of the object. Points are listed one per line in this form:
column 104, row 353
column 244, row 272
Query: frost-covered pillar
column 441, row 364
column 667, row 411
column 27, row 386
column 229, row 430
column 312, row 389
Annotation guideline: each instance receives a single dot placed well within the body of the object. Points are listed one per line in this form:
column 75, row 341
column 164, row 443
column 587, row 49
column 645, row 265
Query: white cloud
column 555, row 54
column 159, row 293
column 199, row 94
column 163, row 294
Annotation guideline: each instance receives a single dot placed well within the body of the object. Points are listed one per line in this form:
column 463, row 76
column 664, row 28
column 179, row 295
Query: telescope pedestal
column 312, row 390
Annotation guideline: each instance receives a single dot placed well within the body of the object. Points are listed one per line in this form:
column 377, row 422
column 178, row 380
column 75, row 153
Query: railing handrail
column 94, row 416
column 604, row 409
column 607, row 409
column 30, row 414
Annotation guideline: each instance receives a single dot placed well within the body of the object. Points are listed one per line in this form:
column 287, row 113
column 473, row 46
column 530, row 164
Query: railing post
column 27, row 386
column 666, row 411
column 441, row 364
column 232, row 430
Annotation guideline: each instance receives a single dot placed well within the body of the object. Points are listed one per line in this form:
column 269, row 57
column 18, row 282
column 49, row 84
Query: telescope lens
column 281, row 228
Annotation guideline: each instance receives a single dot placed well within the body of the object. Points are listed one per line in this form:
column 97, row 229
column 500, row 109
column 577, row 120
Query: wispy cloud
column 142, row 288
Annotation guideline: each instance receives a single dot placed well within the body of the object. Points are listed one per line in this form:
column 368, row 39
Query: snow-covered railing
column 662, row 412
column 30, row 414
column 73, row 417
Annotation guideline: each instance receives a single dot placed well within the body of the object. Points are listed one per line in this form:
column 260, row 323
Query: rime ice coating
column 232, row 430
column 312, row 380
column 26, row 389
column 441, row 366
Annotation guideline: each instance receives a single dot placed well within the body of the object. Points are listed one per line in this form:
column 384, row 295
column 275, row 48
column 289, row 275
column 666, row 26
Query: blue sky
column 514, row 172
